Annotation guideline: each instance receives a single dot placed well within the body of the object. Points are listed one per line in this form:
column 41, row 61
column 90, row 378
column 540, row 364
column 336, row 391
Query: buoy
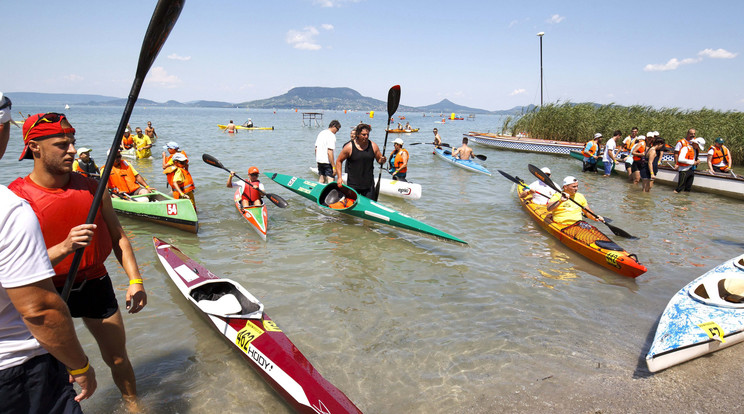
column 452, row 116
column 344, row 110
column 371, row 114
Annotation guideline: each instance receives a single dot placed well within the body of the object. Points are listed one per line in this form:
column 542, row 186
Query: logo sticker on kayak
column 713, row 330
column 611, row 258
column 270, row 326
column 248, row 334
column 172, row 209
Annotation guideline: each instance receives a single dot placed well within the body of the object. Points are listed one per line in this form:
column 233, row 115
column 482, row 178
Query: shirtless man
column 150, row 131
column 230, row 128
column 437, row 139
column 463, row 152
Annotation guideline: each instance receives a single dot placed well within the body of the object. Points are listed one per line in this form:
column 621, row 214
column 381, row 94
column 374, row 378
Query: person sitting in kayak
column 407, row 127
column 463, row 152
column 437, row 139
column 399, row 161
column 248, row 123
column 124, row 180
column 183, row 183
column 127, row 142
column 252, row 191
column 564, row 211
column 85, row 165
column 169, row 168
column 540, row 191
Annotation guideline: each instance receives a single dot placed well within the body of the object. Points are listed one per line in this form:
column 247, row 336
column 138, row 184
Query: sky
column 483, row 54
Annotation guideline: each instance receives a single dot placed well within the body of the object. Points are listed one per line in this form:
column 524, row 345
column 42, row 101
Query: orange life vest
column 187, row 185
column 61, row 209
column 399, row 160
column 127, row 143
column 641, row 148
column 342, row 204
column 122, row 178
column 690, row 155
column 250, row 193
column 170, row 170
column 720, row 155
column 590, row 149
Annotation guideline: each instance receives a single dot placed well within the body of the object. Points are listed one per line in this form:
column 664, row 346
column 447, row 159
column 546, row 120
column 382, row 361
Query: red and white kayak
column 240, row 318
column 258, row 216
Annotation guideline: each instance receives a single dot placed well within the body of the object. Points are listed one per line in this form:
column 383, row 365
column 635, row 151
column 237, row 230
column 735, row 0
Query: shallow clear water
column 401, row 322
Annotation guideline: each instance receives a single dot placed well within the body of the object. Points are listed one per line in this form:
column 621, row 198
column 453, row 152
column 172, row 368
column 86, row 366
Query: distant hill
column 306, row 97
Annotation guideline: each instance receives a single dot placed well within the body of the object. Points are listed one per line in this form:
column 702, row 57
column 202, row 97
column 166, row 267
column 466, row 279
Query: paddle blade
column 510, row 178
column 212, row 161
column 542, row 177
column 393, row 100
column 480, row 157
column 278, row 201
column 620, row 232
column 163, row 19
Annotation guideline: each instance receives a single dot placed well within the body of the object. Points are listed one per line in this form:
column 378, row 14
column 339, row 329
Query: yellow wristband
column 135, row 281
column 80, row 371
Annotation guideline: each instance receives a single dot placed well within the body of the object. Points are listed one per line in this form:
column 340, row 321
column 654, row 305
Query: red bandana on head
column 41, row 126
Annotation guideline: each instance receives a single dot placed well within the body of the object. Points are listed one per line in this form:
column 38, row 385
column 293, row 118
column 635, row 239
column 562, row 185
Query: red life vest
column 720, row 155
column 61, row 209
column 399, row 160
column 122, row 178
column 590, row 149
column 250, row 193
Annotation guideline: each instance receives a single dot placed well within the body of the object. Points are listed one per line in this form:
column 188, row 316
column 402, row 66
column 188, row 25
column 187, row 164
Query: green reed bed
column 579, row 122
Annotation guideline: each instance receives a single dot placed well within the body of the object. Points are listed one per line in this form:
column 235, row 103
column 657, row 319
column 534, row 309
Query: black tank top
column 361, row 167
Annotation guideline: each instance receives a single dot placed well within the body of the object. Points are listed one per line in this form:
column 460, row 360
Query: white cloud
column 174, row 56
column 304, row 39
column 672, row 64
column 717, row 54
column 556, row 18
column 327, row 26
column 518, row 92
column 73, row 77
column 160, row 77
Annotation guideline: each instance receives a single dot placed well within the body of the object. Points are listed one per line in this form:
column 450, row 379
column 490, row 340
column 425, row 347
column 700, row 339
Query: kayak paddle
column 544, row 178
column 280, row 202
column 519, row 181
column 392, row 106
column 163, row 19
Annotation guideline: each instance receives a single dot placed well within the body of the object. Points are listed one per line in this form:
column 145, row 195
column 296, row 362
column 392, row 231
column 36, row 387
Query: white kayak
column 703, row 317
column 393, row 188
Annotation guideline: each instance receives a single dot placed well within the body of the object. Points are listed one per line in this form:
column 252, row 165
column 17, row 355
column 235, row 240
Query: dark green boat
column 346, row 200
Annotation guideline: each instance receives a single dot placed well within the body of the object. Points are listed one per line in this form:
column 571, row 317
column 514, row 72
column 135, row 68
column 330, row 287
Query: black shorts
column 645, row 172
column 636, row 166
column 94, row 298
column 39, row 385
column 366, row 192
column 325, row 169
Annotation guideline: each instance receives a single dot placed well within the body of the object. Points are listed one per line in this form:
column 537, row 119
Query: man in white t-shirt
column 610, row 152
column 37, row 335
column 325, row 145
column 540, row 191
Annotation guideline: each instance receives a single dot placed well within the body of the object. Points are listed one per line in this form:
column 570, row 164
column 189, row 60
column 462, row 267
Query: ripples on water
column 402, row 322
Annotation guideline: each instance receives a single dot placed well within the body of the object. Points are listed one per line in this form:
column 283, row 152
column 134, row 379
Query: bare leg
column 111, row 338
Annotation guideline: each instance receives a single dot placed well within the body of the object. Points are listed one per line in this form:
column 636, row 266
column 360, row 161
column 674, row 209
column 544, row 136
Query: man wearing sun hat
column 61, row 201
column 540, row 191
column 399, row 161
column 33, row 377
column 85, row 165
column 251, row 191
column 565, row 211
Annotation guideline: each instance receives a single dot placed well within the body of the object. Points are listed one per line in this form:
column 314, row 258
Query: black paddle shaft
column 163, row 19
column 392, row 106
column 278, row 201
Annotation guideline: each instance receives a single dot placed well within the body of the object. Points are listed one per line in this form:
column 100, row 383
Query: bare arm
column 48, row 319
column 136, row 298
column 78, row 237
column 342, row 156
column 378, row 155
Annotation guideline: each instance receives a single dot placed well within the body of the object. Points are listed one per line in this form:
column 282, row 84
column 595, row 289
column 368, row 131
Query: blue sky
column 484, row 54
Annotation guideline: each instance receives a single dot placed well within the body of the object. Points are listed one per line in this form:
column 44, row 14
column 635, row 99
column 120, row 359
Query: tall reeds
column 579, row 122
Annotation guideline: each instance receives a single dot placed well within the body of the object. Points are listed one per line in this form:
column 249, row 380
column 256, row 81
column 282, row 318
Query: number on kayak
column 270, row 326
column 247, row 335
column 713, row 330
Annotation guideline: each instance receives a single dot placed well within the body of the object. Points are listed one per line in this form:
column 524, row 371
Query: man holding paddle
column 61, row 201
column 359, row 155
column 463, row 152
column 568, row 213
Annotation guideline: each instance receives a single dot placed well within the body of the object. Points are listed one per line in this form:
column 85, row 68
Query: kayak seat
column 226, row 305
column 608, row 245
column 333, row 196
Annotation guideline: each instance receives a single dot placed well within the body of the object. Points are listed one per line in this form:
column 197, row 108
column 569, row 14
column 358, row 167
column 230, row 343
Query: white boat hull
column 393, row 188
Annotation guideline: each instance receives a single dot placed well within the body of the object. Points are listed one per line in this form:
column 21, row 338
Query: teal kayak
column 346, row 200
column 469, row 165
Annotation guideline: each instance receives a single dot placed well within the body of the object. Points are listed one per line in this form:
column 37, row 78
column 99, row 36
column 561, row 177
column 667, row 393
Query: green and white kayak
column 159, row 208
column 346, row 200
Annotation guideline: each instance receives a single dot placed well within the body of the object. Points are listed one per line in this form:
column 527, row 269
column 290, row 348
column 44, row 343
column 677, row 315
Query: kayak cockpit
column 725, row 291
column 337, row 198
column 224, row 298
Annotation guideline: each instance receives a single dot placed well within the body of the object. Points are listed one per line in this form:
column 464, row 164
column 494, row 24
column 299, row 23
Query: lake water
column 404, row 323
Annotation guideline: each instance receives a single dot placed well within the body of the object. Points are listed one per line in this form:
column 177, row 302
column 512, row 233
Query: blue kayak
column 470, row 165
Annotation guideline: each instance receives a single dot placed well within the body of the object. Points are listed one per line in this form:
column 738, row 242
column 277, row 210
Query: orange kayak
column 586, row 240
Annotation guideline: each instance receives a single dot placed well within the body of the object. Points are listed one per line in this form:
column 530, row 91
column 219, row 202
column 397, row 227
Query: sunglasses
column 49, row 118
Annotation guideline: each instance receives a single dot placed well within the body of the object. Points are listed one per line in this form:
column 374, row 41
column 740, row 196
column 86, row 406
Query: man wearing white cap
column 540, row 191
column 687, row 161
column 85, row 165
column 399, row 161
column 565, row 211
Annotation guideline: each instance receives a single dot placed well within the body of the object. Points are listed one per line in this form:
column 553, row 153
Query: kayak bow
column 240, row 318
column 361, row 207
column 258, row 216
